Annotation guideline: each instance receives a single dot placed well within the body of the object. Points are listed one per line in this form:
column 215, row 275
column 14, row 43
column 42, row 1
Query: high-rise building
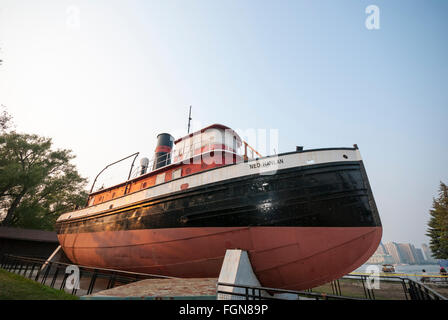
column 404, row 253
column 393, row 250
column 419, row 256
column 407, row 256
column 428, row 254
column 381, row 249
column 380, row 256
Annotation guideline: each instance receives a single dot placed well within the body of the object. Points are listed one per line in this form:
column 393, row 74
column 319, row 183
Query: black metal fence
column 244, row 292
column 91, row 280
column 55, row 274
column 340, row 290
column 412, row 290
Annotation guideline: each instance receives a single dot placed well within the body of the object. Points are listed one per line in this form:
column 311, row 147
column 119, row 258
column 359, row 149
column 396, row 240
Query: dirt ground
column 387, row 290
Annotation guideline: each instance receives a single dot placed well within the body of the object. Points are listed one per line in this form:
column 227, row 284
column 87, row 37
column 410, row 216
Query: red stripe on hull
column 293, row 258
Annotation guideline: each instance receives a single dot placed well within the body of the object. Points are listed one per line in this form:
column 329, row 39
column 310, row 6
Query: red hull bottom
column 293, row 258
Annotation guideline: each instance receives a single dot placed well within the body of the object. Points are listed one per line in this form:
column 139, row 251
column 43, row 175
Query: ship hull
column 302, row 225
column 293, row 258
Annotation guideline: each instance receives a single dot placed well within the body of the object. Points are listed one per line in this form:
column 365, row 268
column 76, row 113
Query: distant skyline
column 394, row 252
column 103, row 78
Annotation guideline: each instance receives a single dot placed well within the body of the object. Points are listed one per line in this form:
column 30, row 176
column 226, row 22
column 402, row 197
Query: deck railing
column 178, row 156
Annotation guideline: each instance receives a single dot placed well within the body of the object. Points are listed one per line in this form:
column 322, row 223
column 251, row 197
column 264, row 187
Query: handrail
column 412, row 289
column 131, row 273
column 246, row 145
column 401, row 274
column 185, row 156
column 427, row 289
column 186, row 153
column 111, row 164
column 415, row 290
column 411, row 283
column 51, row 271
column 276, row 290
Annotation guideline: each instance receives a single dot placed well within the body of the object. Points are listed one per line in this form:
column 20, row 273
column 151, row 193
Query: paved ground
column 163, row 288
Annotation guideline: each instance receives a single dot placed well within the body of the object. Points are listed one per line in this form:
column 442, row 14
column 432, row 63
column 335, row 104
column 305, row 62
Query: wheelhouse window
column 177, row 173
column 160, row 178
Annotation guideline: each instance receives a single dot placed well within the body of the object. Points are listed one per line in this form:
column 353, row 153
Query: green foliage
column 37, row 184
column 438, row 224
column 5, row 119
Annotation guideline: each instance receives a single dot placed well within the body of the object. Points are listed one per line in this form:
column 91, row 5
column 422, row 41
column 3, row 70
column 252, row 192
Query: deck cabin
column 211, row 147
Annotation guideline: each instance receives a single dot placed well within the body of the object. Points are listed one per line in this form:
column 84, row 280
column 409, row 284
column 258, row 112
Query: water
column 411, row 270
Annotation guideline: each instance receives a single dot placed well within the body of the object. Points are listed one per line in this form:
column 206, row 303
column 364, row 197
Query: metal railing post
column 364, row 286
column 92, row 282
column 339, row 287
column 405, row 290
column 25, row 269
column 111, row 282
column 64, row 280
column 47, row 271
column 37, row 274
column 54, row 276
column 3, row 259
column 32, row 270
column 372, row 294
column 75, row 287
column 14, row 265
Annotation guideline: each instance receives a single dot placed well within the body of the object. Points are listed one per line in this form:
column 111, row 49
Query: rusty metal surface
column 294, row 258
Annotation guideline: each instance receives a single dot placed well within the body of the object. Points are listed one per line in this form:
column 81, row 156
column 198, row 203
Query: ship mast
column 189, row 120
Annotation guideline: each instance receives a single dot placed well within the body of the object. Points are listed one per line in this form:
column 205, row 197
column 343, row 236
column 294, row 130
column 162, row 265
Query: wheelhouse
column 211, row 147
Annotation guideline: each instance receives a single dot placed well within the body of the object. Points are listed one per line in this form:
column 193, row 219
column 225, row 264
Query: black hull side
column 326, row 195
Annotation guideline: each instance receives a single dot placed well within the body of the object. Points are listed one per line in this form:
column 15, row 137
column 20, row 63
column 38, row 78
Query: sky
column 103, row 78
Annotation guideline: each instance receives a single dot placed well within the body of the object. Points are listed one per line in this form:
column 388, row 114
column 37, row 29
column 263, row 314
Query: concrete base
column 237, row 269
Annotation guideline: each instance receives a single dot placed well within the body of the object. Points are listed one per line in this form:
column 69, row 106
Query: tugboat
column 388, row 268
column 305, row 217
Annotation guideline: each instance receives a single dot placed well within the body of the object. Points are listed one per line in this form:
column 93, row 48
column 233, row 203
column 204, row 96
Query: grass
column 15, row 287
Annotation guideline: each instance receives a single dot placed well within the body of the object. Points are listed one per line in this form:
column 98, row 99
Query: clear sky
column 103, row 78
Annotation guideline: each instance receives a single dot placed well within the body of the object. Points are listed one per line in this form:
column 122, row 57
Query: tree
column 438, row 224
column 5, row 120
column 37, row 184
